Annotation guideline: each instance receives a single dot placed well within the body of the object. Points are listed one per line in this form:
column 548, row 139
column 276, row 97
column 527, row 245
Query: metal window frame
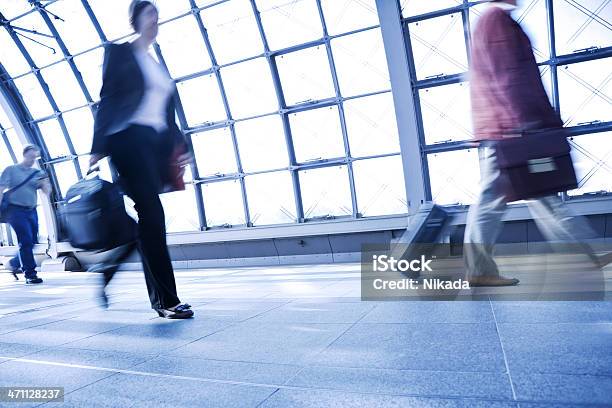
column 338, row 100
column 553, row 62
column 268, row 54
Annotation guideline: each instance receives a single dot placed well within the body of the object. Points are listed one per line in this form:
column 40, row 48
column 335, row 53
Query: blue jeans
column 25, row 223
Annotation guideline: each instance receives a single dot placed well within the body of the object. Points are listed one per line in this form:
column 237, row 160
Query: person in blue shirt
column 21, row 213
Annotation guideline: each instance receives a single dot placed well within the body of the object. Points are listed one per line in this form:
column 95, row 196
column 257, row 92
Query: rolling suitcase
column 424, row 231
column 95, row 217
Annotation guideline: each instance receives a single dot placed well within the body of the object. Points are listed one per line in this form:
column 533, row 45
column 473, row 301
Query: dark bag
column 4, row 206
column 172, row 178
column 535, row 164
column 95, row 217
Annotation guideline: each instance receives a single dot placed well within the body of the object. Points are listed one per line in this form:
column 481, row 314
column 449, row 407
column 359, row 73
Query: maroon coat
column 506, row 89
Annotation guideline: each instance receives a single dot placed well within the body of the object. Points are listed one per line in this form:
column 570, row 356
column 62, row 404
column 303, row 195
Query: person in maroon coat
column 508, row 97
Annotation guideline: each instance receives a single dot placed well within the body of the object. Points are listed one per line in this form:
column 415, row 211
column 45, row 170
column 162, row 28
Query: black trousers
column 137, row 153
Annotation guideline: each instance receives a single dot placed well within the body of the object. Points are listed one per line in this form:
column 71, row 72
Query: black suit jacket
column 122, row 91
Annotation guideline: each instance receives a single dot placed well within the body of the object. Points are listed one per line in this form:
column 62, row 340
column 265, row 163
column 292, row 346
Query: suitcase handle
column 92, row 169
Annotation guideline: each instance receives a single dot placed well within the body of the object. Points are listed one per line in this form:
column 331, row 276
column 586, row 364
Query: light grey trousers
column 484, row 224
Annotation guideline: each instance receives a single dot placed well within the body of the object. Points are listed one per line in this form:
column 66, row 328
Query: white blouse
column 158, row 88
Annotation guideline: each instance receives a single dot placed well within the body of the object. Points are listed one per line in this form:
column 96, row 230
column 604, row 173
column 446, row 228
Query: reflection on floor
column 298, row 336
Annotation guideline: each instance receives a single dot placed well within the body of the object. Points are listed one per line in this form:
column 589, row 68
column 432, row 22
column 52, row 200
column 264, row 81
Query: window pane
column 592, row 155
column 247, row 96
column 438, row 46
column 77, row 30
column 11, row 58
column 371, row 125
column 262, row 144
column 114, row 20
column 43, row 234
column 232, row 31
column 454, row 176
column 5, row 156
column 361, row 63
column 171, row 8
column 4, row 119
column 183, row 47
column 181, row 210
column 223, row 203
column 317, row 134
column 33, row 96
column 583, row 24
column 201, row 100
column 585, row 91
column 54, row 138
column 90, row 67
column 80, row 128
column 14, row 8
column 41, row 54
column 66, row 175
column 16, row 145
column 446, row 113
column 105, row 171
column 288, row 23
column 416, row 7
column 305, row 75
column 349, row 15
column 533, row 18
column 325, row 192
column 380, row 187
column 63, row 86
column 214, row 152
column 270, row 197
column 203, row 3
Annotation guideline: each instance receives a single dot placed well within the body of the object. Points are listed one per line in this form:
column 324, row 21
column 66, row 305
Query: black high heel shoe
column 182, row 311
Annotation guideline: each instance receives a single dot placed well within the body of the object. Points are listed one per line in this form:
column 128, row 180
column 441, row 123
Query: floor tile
column 438, row 347
column 560, row 388
column 157, row 336
column 553, row 312
column 26, row 374
column 266, row 373
column 406, row 382
column 430, row 312
column 564, row 348
column 265, row 342
column 95, row 358
column 145, row 391
column 326, row 399
column 302, row 312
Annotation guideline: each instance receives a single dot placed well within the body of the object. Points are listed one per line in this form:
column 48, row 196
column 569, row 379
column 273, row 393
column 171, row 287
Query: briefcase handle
column 93, row 169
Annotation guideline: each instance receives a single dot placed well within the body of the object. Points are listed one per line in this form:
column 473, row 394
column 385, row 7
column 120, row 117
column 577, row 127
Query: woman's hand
column 45, row 186
column 95, row 158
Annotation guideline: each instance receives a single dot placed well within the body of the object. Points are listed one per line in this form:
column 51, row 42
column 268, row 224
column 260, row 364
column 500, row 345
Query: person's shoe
column 182, row 311
column 492, row 281
column 33, row 281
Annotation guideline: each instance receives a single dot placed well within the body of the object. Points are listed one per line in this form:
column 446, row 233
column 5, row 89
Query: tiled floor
column 296, row 337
